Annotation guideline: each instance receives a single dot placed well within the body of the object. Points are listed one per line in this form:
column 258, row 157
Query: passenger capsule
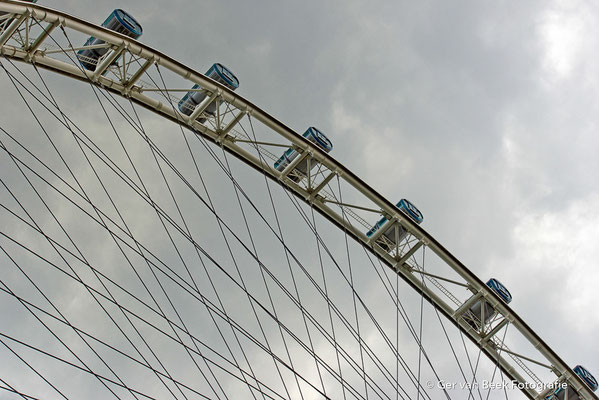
column 475, row 314
column 196, row 95
column 391, row 234
column 560, row 392
column 313, row 135
column 586, row 376
column 119, row 21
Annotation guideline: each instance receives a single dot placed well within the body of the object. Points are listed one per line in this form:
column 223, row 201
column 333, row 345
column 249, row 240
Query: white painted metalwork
column 33, row 35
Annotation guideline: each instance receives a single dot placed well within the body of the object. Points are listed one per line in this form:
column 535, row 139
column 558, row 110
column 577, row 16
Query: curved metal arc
column 128, row 88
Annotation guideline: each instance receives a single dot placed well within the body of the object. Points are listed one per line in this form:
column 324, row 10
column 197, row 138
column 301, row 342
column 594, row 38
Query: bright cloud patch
column 565, row 30
column 562, row 248
column 377, row 147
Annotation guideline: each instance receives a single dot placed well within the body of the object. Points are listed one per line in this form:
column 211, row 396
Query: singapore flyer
column 338, row 200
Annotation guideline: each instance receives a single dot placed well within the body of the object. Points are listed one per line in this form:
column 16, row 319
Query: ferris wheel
column 141, row 258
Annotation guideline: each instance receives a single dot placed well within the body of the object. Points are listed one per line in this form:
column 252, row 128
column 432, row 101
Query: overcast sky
column 482, row 113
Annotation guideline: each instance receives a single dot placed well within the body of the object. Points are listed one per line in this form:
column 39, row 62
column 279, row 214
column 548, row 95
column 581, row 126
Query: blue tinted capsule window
column 223, row 75
column 501, row 290
column 319, row 138
column 586, row 376
column 411, row 210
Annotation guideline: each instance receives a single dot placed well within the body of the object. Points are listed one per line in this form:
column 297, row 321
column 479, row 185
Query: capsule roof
column 320, row 138
column 128, row 21
column 225, row 74
column 586, row 376
column 500, row 290
column 411, row 210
